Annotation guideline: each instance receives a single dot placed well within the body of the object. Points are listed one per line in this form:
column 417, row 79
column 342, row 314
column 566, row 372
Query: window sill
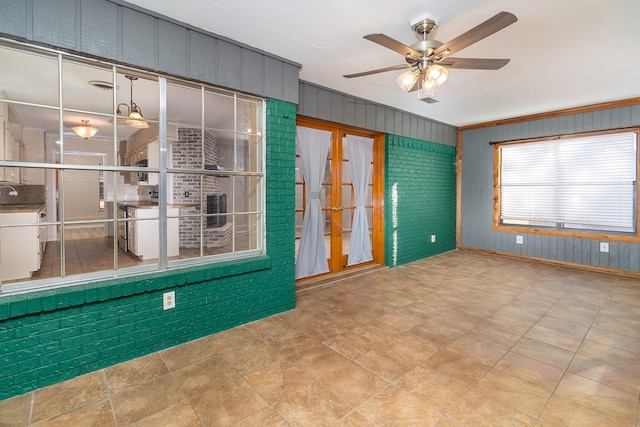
column 629, row 238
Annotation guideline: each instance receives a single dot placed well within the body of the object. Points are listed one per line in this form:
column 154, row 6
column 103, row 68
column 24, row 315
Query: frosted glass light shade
column 437, row 73
column 84, row 130
column 407, row 79
column 428, row 88
column 137, row 121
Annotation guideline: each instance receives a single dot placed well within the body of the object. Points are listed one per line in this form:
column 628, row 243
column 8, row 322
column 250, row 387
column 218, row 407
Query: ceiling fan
column 429, row 60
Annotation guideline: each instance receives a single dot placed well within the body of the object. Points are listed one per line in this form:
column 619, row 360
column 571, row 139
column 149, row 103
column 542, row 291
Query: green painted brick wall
column 420, row 199
column 53, row 335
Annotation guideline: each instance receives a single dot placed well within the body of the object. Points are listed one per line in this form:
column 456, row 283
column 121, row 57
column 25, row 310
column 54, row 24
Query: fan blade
column 394, row 45
column 488, row 27
column 473, row 63
column 379, row 70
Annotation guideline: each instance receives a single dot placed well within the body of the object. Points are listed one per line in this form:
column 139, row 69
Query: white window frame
column 162, row 264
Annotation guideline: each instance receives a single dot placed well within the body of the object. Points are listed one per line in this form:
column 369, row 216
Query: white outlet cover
column 604, row 247
column 519, row 240
column 168, row 300
column 433, row 238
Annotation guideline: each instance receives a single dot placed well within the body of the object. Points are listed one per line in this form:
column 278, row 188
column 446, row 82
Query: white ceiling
column 564, row 53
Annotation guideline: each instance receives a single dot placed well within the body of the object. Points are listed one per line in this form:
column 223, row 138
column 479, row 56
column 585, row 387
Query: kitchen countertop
column 19, row 208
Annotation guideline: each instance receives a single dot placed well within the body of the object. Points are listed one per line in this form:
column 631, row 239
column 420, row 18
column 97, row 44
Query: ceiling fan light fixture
column 437, row 73
column 407, row 79
column 84, row 130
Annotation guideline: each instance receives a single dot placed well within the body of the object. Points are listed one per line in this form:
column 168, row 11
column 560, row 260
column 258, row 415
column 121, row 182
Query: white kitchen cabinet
column 21, row 248
column 144, row 236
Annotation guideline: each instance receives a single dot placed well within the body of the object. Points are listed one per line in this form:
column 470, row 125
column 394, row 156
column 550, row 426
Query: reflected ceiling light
column 134, row 113
column 407, row 79
column 84, row 130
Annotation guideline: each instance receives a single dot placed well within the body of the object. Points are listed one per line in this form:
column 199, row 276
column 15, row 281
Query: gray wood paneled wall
column 477, row 192
column 325, row 104
column 117, row 31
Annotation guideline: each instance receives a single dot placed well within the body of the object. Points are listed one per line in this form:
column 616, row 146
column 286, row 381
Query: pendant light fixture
column 134, row 115
column 84, row 130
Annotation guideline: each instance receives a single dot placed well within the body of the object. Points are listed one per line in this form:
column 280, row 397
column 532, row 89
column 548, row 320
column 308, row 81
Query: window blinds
column 578, row 183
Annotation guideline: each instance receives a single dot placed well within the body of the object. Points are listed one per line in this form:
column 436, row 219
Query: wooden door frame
column 377, row 239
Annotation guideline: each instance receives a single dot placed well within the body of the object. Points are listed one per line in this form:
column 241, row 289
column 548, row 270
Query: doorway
column 338, row 196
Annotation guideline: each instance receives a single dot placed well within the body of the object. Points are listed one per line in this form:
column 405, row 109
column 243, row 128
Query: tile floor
column 460, row 339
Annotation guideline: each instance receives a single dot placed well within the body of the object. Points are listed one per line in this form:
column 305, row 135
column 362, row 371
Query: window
column 586, row 183
column 182, row 183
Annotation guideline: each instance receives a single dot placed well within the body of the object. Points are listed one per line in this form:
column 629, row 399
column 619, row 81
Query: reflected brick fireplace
column 216, row 204
column 186, row 152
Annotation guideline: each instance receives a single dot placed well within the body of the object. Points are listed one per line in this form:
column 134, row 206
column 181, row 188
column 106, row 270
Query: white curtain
column 313, row 146
column 360, row 151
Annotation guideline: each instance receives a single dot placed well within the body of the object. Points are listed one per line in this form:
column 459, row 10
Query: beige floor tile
column 290, row 342
column 432, row 386
column 462, row 369
column 68, row 395
column 495, row 336
column 352, row 383
column 355, row 419
column 438, row 332
column 397, row 407
column 612, row 339
column 15, row 412
column 94, row 414
column 135, row 372
column 555, row 338
column 447, row 421
column 619, row 405
column 477, row 409
column 210, row 373
column 615, row 356
column 265, row 328
column 386, row 363
column 274, row 383
column 311, row 405
column 543, row 352
column 530, row 370
column 470, row 345
column 605, row 373
column 187, row 354
column 227, row 404
column 612, row 323
column 514, row 392
column 564, row 412
column 180, row 415
column 266, row 417
column 244, row 351
column 352, row 344
column 377, row 332
column 144, row 400
column 318, row 359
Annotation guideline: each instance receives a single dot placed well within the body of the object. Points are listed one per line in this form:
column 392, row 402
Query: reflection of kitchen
column 30, row 196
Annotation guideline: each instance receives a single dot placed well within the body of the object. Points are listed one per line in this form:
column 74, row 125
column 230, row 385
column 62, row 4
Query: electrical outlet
column 519, row 240
column 168, row 300
column 433, row 238
column 604, row 246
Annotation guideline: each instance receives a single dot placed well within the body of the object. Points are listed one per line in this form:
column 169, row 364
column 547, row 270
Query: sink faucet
column 11, row 193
